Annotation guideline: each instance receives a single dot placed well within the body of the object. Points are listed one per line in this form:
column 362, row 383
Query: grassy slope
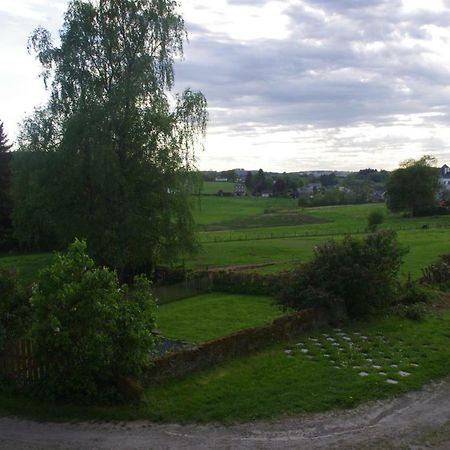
column 209, row 210
column 424, row 248
column 425, row 245
column 208, row 316
column 212, row 187
column 271, row 384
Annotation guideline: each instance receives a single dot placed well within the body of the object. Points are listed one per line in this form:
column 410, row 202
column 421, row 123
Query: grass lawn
column 283, row 234
column 212, row 187
column 283, row 221
column 209, row 210
column 28, row 265
column 327, row 369
column 425, row 246
column 209, row 316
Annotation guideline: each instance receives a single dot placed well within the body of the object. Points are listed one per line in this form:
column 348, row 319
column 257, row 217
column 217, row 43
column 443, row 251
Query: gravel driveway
column 417, row 420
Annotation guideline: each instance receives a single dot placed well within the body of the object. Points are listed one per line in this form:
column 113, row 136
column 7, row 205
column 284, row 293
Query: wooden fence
column 17, row 362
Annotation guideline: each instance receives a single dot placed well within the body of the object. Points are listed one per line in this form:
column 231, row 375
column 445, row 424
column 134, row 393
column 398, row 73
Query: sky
column 291, row 85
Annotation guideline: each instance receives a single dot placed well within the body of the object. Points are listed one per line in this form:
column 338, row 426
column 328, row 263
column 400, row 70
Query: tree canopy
column 414, row 186
column 112, row 150
column 4, row 146
column 5, row 195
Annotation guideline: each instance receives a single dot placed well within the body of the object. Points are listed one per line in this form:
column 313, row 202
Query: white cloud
column 292, row 84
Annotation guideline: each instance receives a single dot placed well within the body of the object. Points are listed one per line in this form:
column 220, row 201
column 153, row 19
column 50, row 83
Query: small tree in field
column 374, row 219
column 414, row 186
column 357, row 274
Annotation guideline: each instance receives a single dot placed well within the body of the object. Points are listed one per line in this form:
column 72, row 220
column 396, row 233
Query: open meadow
column 251, row 231
column 275, row 233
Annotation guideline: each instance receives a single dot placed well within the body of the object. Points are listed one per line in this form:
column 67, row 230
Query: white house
column 445, row 177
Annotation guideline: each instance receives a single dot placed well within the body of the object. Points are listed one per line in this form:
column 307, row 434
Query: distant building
column 309, row 188
column 240, row 175
column 239, row 189
column 444, row 178
column 221, row 179
column 378, row 195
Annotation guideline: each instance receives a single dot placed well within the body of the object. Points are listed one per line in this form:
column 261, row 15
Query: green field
column 27, row 266
column 213, row 187
column 252, row 230
column 209, row 316
column 282, row 379
column 273, row 383
column 307, row 375
column 238, row 241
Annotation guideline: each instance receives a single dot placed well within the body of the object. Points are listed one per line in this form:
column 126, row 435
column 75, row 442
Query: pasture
column 248, row 231
column 213, row 187
column 234, row 240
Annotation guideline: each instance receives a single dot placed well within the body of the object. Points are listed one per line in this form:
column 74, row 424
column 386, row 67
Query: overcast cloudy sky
column 292, row 84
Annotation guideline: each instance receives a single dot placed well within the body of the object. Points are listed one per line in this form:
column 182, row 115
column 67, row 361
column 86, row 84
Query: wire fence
column 233, row 237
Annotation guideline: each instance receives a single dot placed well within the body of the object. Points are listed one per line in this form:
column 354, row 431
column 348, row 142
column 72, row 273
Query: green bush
column 374, row 219
column 15, row 311
column 359, row 274
column 89, row 332
column 438, row 273
column 416, row 311
column 412, row 292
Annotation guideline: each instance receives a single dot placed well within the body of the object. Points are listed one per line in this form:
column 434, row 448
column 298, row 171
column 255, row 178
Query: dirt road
column 418, row 420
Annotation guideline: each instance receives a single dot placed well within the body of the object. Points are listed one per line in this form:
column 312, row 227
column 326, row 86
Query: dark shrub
column 411, row 292
column 359, row 274
column 89, row 332
column 417, row 311
column 374, row 219
column 438, row 273
column 15, row 311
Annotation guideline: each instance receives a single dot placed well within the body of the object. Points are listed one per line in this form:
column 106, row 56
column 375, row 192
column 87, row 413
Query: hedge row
column 247, row 283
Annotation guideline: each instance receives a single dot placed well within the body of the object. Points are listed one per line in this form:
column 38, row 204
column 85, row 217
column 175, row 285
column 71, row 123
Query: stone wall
column 234, row 345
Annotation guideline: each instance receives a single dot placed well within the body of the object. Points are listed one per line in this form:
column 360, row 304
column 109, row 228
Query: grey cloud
column 346, row 67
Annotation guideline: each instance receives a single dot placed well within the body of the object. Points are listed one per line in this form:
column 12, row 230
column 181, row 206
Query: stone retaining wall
column 234, row 345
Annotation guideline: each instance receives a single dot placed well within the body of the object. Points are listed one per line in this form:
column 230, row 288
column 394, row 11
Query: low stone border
column 240, row 343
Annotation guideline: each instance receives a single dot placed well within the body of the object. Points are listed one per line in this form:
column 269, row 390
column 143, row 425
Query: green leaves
column 124, row 155
column 413, row 187
column 88, row 330
column 358, row 273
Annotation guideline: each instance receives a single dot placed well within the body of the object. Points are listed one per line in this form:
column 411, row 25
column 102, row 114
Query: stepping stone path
column 357, row 352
